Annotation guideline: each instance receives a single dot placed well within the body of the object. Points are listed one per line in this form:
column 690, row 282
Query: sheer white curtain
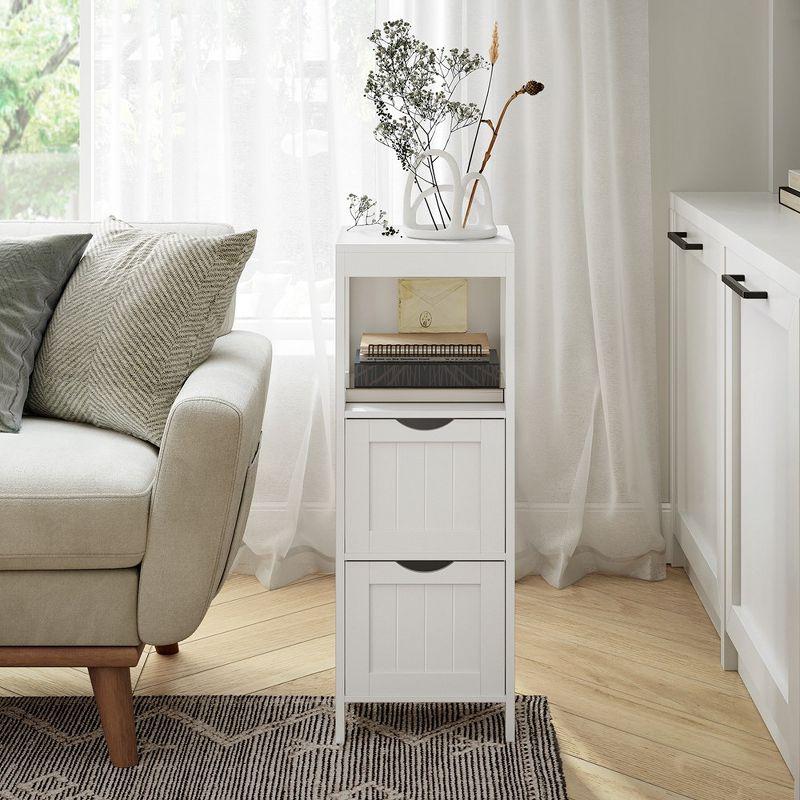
column 571, row 175
column 250, row 111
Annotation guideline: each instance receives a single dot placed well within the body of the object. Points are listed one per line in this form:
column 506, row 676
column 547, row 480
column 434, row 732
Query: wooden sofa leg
column 112, row 693
column 167, row 649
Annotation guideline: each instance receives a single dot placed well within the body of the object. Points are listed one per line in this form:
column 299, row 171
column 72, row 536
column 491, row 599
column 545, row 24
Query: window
column 39, row 109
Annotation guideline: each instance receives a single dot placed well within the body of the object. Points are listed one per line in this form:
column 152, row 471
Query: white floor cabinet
column 735, row 280
column 425, row 493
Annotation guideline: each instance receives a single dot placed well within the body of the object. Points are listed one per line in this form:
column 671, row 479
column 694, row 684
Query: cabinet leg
column 340, row 709
column 510, row 719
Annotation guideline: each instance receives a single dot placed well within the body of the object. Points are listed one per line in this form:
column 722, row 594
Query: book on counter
column 424, row 346
column 789, row 197
column 426, row 361
column 463, row 373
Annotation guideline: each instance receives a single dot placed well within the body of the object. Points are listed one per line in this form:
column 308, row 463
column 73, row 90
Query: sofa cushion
column 73, row 497
column 141, row 312
column 33, row 273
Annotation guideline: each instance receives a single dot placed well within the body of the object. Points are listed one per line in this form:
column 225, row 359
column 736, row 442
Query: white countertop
column 362, row 239
column 754, row 217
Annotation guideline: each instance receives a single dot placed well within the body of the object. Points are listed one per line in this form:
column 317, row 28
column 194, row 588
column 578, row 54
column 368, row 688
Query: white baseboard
column 674, row 553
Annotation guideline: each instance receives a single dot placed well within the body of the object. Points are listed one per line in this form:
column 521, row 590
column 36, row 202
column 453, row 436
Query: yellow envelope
column 432, row 305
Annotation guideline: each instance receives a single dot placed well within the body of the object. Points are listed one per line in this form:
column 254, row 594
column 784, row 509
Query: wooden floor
column 641, row 707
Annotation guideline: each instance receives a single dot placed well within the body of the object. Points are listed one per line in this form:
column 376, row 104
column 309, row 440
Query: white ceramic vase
column 480, row 224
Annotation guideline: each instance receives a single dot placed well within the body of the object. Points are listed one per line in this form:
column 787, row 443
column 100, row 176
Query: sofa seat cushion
column 73, row 497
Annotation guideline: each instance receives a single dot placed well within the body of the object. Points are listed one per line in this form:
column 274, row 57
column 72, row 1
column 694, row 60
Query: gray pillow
column 141, row 312
column 33, row 273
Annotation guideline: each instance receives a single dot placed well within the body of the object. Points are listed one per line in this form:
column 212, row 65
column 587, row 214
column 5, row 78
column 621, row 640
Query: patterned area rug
column 226, row 748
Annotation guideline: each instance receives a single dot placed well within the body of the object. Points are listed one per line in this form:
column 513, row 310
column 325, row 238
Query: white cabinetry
column 736, row 442
column 425, row 494
column 764, row 466
column 698, row 385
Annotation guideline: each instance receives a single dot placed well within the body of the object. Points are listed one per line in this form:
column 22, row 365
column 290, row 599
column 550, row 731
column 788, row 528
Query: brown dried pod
column 532, row 87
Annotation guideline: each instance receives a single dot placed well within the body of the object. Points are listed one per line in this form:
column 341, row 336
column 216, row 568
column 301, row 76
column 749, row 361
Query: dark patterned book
column 416, row 374
column 789, row 197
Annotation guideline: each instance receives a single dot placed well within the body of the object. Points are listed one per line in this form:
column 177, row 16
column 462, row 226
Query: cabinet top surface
column 369, row 239
column 756, row 217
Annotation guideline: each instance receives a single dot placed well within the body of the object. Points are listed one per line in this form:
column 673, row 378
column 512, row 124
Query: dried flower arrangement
column 412, row 88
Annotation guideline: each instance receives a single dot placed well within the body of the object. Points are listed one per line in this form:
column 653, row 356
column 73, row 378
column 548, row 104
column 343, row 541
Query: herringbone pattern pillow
column 141, row 312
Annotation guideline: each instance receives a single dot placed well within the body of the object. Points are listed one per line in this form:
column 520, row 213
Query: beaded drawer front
column 433, row 491
column 422, row 629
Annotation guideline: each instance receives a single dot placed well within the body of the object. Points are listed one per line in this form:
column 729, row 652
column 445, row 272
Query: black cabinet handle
column 424, row 566
column 424, row 423
column 679, row 238
column 735, row 282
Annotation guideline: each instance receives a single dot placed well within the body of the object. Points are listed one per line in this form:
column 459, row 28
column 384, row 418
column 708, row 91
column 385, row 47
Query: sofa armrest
column 211, row 437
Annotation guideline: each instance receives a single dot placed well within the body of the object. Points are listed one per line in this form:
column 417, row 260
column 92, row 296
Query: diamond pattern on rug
column 246, row 747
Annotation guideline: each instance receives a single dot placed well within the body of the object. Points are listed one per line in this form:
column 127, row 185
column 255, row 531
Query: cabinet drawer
column 414, row 490
column 417, row 634
column 712, row 254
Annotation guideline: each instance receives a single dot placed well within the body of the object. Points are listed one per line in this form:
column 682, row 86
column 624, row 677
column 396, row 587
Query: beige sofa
column 106, row 542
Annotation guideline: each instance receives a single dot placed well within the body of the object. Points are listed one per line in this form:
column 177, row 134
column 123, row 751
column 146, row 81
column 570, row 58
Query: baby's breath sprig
column 364, row 212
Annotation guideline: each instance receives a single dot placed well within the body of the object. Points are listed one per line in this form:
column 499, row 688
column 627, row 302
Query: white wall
column 710, row 122
column 785, row 55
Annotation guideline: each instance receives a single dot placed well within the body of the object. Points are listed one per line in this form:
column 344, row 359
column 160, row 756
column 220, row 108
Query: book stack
column 426, row 361
column 789, row 196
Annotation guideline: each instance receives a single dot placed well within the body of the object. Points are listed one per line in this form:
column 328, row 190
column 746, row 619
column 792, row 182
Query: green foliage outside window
column 39, row 108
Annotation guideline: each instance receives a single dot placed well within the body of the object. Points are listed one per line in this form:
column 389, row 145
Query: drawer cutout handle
column 735, row 282
column 424, row 566
column 679, row 238
column 424, row 423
